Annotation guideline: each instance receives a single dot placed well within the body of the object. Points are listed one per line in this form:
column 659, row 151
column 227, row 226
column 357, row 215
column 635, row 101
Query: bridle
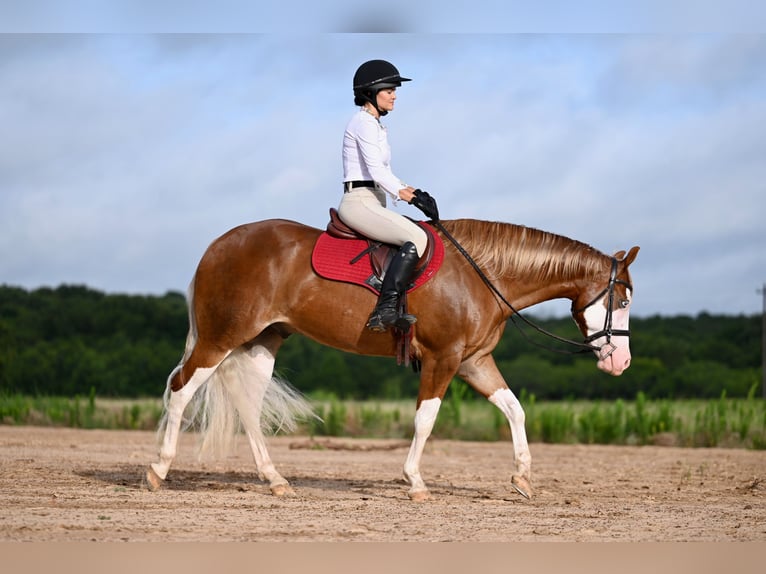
column 607, row 330
column 604, row 351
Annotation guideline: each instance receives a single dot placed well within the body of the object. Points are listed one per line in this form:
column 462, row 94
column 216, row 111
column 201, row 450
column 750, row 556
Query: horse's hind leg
column 255, row 366
column 174, row 410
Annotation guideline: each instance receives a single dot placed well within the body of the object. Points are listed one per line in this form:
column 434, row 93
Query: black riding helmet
column 373, row 76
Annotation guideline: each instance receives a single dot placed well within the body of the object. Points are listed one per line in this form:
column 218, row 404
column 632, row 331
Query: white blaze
column 595, row 320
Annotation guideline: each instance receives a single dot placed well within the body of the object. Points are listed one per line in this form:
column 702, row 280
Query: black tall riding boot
column 395, row 282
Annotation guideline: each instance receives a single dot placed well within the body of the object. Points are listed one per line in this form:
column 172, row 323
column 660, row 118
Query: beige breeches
column 364, row 210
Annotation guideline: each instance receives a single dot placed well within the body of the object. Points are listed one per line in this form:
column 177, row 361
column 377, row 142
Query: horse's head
column 602, row 312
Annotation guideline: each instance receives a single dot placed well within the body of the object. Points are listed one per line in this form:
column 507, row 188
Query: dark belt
column 349, row 185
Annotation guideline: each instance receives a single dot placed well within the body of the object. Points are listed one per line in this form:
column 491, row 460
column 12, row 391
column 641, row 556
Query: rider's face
column 386, row 98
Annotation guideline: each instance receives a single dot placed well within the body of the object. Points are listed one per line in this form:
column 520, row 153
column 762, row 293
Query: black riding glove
column 425, row 203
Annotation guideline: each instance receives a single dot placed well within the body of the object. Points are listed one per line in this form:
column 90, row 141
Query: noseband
column 607, row 331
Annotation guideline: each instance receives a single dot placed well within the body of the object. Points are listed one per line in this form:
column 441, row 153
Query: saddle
column 380, row 254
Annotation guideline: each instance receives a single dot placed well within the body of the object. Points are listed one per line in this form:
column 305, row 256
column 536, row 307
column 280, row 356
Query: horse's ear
column 619, row 254
column 631, row 255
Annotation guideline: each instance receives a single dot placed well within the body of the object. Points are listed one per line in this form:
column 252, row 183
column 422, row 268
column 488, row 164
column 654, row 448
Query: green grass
column 78, row 412
column 724, row 422
column 735, row 423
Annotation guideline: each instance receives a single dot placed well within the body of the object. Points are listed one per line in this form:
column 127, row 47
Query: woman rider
column 367, row 179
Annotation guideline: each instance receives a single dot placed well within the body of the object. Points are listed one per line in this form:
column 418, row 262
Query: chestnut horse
column 255, row 286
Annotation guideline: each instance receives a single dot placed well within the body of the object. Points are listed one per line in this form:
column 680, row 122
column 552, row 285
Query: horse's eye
column 623, row 303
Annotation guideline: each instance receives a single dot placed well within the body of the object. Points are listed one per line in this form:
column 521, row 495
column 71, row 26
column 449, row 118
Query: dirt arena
column 61, row 485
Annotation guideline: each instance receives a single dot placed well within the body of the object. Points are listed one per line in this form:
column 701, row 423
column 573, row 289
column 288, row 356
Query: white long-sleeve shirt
column 367, row 154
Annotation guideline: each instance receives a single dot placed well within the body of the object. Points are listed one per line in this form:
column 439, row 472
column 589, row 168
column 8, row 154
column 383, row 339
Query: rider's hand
column 425, row 203
column 407, row 193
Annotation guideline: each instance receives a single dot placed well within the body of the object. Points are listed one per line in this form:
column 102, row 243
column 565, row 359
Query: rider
column 367, row 178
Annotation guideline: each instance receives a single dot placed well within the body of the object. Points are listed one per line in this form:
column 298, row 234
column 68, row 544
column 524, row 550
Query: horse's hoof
column 522, row 486
column 419, row 495
column 282, row 490
column 152, row 480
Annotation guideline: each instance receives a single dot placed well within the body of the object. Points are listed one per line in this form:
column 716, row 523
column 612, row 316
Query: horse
column 255, row 286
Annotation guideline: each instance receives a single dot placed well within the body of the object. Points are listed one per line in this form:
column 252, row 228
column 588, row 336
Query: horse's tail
column 237, row 394
column 191, row 336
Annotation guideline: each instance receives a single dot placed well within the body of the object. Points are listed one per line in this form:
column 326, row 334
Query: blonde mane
column 505, row 249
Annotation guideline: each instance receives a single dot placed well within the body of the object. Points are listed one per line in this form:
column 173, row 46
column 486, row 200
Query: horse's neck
column 553, row 269
column 531, row 265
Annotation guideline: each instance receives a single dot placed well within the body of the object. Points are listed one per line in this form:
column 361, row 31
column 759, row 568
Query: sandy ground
column 77, row 485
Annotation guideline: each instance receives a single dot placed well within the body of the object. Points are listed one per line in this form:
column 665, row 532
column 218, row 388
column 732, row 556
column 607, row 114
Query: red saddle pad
column 332, row 257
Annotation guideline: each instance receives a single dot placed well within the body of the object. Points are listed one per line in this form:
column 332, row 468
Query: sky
column 124, row 154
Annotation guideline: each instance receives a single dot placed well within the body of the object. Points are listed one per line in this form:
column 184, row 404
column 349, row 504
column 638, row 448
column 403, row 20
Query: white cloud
column 124, row 156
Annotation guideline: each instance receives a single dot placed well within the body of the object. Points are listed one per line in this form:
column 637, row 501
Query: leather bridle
column 607, row 331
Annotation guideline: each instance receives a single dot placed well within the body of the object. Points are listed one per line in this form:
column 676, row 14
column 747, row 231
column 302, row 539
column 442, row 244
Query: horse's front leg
column 506, row 401
column 483, row 375
column 434, row 380
column 425, row 417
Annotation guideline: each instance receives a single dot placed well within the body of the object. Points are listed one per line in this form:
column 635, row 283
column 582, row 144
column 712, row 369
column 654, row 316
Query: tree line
column 74, row 340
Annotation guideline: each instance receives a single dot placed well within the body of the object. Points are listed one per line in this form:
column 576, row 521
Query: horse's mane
column 502, row 249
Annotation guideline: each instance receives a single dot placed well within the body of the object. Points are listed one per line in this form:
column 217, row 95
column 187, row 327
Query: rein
column 584, row 346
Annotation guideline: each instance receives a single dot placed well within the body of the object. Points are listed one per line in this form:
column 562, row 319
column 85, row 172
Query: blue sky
column 124, row 155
